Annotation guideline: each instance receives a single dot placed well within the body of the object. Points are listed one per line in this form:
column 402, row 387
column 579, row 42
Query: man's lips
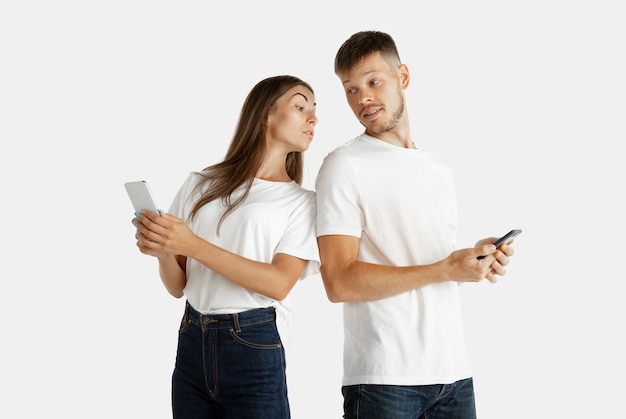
column 370, row 113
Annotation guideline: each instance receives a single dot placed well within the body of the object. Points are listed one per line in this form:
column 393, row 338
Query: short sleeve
column 338, row 198
column 299, row 238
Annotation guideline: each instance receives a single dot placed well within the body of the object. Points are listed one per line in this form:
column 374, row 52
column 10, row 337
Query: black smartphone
column 506, row 239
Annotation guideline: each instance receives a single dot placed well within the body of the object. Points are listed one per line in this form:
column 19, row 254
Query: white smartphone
column 141, row 196
column 506, row 239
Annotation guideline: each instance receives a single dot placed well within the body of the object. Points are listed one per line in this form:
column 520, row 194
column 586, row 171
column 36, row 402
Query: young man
column 386, row 225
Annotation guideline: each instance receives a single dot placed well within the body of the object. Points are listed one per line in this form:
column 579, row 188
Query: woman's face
column 291, row 123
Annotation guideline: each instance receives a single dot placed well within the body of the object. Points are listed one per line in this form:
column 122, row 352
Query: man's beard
column 389, row 124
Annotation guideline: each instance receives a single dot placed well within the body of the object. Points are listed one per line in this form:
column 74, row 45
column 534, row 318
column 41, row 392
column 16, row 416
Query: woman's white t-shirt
column 401, row 203
column 276, row 217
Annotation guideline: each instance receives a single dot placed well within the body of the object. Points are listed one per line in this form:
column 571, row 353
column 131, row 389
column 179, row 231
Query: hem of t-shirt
column 313, row 261
column 298, row 253
column 338, row 232
column 404, row 381
column 275, row 182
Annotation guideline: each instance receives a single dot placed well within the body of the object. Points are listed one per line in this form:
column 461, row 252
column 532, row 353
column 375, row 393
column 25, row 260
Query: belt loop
column 186, row 314
column 236, row 320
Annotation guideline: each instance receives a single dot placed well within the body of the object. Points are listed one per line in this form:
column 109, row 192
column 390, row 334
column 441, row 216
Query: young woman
column 238, row 236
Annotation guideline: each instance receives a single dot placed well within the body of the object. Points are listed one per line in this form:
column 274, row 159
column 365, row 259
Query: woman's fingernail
column 135, row 223
column 137, row 214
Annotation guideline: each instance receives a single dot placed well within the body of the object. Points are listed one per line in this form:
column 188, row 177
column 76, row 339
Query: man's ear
column 405, row 76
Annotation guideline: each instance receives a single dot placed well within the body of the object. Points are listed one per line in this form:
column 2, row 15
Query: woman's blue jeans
column 229, row 366
column 439, row 401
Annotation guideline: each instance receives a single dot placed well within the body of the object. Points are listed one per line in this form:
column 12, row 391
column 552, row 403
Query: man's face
column 374, row 93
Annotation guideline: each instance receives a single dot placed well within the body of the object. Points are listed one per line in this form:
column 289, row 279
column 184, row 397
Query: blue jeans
column 438, row 401
column 230, row 366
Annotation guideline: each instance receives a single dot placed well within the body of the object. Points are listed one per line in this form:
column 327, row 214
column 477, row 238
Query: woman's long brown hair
column 247, row 148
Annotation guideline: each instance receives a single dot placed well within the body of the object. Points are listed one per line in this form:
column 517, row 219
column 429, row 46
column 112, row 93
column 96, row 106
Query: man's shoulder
column 348, row 147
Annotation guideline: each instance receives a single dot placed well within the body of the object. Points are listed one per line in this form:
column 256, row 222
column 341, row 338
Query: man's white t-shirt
column 276, row 217
column 401, row 203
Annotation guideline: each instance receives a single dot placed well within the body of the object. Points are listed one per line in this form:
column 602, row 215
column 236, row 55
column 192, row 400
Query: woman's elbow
column 176, row 293
column 280, row 292
column 280, row 295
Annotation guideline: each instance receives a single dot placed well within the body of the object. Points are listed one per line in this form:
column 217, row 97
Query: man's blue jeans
column 229, row 366
column 440, row 401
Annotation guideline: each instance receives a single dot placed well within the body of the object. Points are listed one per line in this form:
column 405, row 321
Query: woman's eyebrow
column 305, row 98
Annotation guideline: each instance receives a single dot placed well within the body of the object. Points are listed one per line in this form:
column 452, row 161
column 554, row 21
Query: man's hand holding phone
column 502, row 258
column 506, row 239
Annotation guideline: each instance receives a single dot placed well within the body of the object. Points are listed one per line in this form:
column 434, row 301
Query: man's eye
column 375, row 82
column 350, row 91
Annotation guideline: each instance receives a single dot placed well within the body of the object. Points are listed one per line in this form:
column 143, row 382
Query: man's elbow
column 333, row 297
column 332, row 286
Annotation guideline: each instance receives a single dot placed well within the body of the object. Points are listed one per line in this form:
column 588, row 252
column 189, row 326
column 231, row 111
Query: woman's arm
column 166, row 234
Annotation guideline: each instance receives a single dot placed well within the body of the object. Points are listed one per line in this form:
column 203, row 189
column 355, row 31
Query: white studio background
column 524, row 99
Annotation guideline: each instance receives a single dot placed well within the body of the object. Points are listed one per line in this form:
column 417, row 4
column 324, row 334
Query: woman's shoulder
column 296, row 193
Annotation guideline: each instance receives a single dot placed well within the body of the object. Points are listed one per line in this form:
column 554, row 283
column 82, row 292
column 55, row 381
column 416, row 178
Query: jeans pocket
column 184, row 324
column 259, row 336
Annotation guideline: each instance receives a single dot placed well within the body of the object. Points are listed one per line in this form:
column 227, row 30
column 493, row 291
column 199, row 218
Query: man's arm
column 348, row 280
